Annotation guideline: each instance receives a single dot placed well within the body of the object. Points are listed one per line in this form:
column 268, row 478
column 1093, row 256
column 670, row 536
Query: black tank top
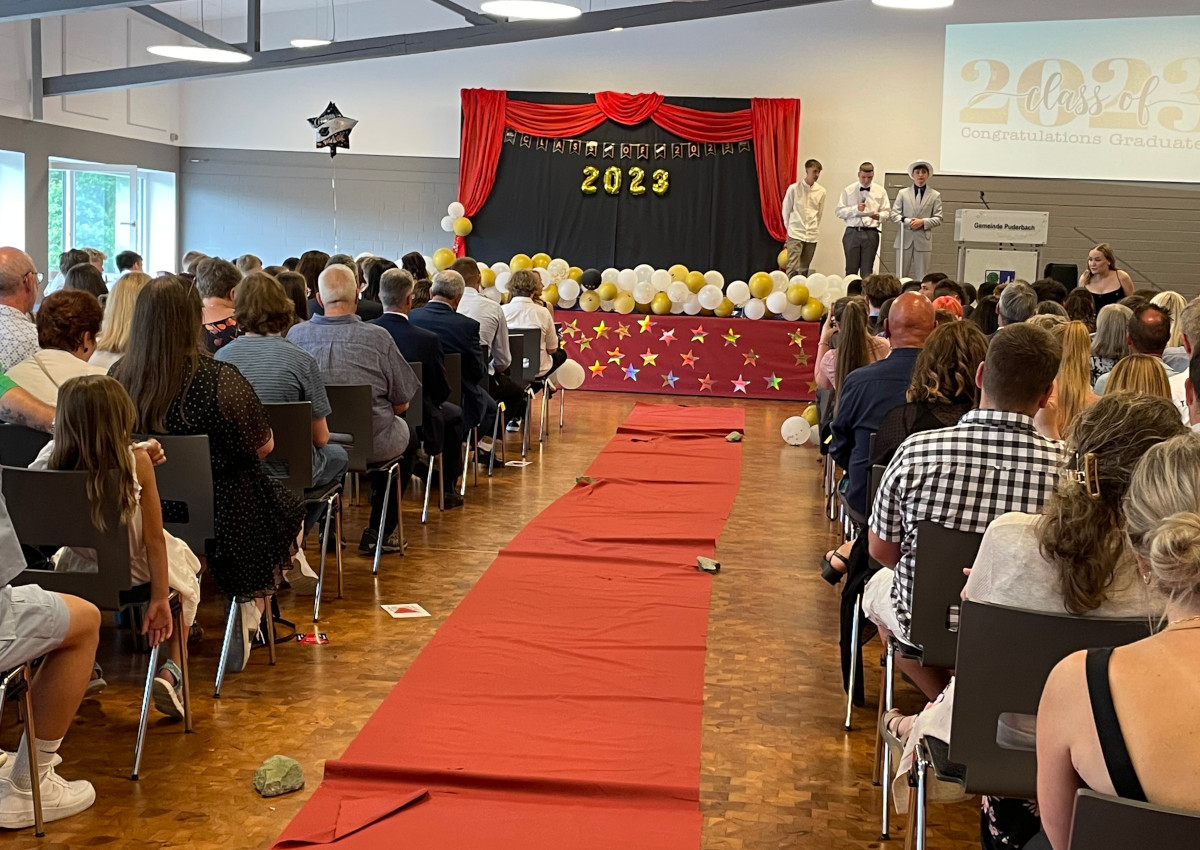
column 1104, row 299
column 1108, row 728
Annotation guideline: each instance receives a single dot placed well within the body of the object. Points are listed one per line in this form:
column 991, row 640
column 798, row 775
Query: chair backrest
column 1004, row 657
column 485, row 379
column 185, row 488
column 19, row 445
column 416, row 405
column 454, row 377
column 290, row 462
column 1110, row 823
column 525, row 346
column 938, row 580
column 51, row 508
column 351, row 422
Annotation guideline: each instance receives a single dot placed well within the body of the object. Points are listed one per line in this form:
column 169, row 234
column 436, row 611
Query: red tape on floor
column 560, row 704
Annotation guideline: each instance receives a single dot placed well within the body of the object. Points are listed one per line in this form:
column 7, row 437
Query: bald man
column 869, row 393
column 18, row 294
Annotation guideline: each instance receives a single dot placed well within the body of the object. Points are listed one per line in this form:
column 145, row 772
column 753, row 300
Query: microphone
column 983, row 199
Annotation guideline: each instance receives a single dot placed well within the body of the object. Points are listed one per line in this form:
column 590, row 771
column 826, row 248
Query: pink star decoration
column 689, row 359
column 739, row 386
column 706, row 383
column 668, row 337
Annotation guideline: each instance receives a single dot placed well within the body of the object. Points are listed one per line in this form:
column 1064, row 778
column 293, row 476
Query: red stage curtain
column 772, row 123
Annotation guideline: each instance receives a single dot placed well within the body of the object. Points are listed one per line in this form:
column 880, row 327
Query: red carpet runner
column 560, row 705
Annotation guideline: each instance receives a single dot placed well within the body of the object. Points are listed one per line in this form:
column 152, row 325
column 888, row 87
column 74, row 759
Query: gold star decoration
column 751, row 358
column 649, row 358
column 802, row 358
column 570, row 328
column 773, row 382
column 601, row 329
column 623, row 331
column 615, row 356
column 731, row 338
column 812, row 386
column 597, row 369
column 689, row 359
column 797, row 338
column 646, row 324
column 706, row 383
column 698, row 334
column 585, row 342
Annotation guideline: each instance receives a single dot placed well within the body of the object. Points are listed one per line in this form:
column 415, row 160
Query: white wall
column 870, row 81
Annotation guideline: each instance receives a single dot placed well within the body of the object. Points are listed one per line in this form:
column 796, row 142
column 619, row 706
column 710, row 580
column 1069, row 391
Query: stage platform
column 693, row 355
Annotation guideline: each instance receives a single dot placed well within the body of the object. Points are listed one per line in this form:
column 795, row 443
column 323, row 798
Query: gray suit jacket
column 928, row 208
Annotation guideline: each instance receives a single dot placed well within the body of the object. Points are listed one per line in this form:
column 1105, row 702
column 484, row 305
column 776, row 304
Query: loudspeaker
column 1065, row 273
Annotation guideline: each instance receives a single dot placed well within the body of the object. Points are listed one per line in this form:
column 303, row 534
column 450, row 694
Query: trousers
column 861, row 245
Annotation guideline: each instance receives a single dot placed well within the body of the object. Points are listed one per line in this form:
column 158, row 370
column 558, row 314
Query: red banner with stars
column 693, row 355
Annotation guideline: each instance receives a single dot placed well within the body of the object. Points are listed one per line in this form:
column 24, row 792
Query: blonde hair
column 1074, row 380
column 1046, row 321
column 1081, row 530
column 1139, row 373
column 1105, row 249
column 1173, row 303
column 1162, row 510
column 118, row 312
column 92, row 432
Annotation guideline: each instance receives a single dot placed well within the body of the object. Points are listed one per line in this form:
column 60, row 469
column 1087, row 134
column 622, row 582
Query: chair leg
column 428, row 486
column 324, row 556
column 917, row 807
column 525, row 429
column 442, row 481
column 181, row 633
column 145, row 715
column 910, row 833
column 543, row 427
column 338, row 549
column 387, row 493
column 270, row 621
column 562, row 403
column 886, row 777
column 230, row 620
column 854, row 650
column 466, row 464
column 500, row 411
column 400, row 513
column 39, row 825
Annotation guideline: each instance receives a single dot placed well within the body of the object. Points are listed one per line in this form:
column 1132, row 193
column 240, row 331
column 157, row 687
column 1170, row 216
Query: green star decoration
column 773, row 382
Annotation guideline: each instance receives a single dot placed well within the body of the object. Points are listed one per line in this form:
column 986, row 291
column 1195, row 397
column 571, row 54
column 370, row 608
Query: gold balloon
column 661, row 305
column 520, row 262
column 590, row 174
column 589, row 301
column 636, row 176
column 678, row 272
column 812, row 311
column 612, row 180
column 761, row 285
column 782, row 259
column 725, row 308
column 540, row 261
column 695, row 281
column 704, row 311
column 797, row 294
column 624, row 304
column 662, row 182
column 550, row 295
column 810, row 414
column 463, row 226
column 487, row 277
column 575, row 273
column 442, row 258
column 643, row 308
column 607, row 291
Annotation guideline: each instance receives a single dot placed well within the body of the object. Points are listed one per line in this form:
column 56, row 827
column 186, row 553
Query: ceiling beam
column 19, row 10
column 184, row 29
column 409, row 44
column 254, row 26
column 469, row 14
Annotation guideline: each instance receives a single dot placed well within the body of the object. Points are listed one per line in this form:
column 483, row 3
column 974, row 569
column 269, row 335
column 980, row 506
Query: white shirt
column 521, row 312
column 103, row 359
column 803, row 206
column 42, row 374
column 875, row 198
column 493, row 329
column 18, row 337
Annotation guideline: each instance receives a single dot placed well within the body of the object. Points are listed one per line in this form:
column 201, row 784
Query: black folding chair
column 28, row 493
column 291, row 423
column 415, row 417
column 526, row 348
column 19, row 445
column 1110, row 823
column 185, row 487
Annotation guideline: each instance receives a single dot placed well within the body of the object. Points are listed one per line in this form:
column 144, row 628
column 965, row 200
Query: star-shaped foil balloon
column 751, row 358
column 333, row 129
column 585, row 342
column 630, row 372
column 571, row 328
column 646, row 324
column 615, row 356
column 689, row 359
column 731, row 338
column 668, row 337
column 622, row 331
column 597, row 369
column 698, row 334
column 706, row 383
column 773, row 382
column 669, row 379
column 797, row 339
column 649, row 358
column 601, row 330
column 739, row 386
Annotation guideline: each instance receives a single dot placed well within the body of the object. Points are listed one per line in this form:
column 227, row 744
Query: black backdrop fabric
column 709, row 219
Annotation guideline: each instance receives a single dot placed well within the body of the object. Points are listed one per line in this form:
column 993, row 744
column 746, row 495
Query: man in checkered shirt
column 992, row 462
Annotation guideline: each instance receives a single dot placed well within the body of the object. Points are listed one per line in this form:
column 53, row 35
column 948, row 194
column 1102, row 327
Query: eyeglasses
column 37, row 275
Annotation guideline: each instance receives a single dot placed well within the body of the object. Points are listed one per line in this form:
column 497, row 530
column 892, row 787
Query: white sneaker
column 243, row 636
column 60, row 799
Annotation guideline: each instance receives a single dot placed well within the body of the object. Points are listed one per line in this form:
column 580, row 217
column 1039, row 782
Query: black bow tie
column 864, row 188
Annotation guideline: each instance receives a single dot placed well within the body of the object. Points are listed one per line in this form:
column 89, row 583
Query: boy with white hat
column 918, row 209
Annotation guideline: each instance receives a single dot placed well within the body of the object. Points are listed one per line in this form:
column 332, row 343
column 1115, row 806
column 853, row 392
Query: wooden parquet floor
column 777, row 771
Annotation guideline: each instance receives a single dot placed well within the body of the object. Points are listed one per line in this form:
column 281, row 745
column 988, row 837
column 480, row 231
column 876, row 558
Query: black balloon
column 333, row 129
column 590, row 279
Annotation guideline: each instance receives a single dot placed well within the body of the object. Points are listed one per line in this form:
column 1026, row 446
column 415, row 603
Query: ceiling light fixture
column 318, row 41
column 914, row 4
column 310, row 42
column 536, row 10
column 194, row 53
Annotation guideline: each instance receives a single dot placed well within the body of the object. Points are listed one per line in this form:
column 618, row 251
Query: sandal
column 831, row 573
column 889, row 730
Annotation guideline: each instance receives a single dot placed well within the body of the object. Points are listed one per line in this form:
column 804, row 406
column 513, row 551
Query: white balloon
column 609, row 276
column 456, row 210
column 692, row 305
column 905, row 280
column 817, row 284
column 643, row 292
column 502, row 281
column 545, row 275
column 678, row 292
column 643, row 272
column 566, row 304
column 738, row 292
column 793, row 312
column 714, row 278
column 559, row 268
column 661, row 280
column 498, row 268
column 607, row 306
column 837, row 290
column 568, row 290
column 798, row 279
column 754, row 309
column 481, row 266
column 777, row 302
column 710, row 296
column 493, row 292
column 448, row 223
column 828, row 300
column 779, row 280
column 626, row 279
column 569, row 375
column 816, row 435
column 852, row 277
column 429, row 265
column 676, row 307
column 795, row 431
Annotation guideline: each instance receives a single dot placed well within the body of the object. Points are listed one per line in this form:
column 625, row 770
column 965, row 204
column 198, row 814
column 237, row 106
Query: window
column 112, row 208
column 12, row 199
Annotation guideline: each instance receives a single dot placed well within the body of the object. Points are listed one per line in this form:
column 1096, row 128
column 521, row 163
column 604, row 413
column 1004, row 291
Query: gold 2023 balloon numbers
column 614, row 176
